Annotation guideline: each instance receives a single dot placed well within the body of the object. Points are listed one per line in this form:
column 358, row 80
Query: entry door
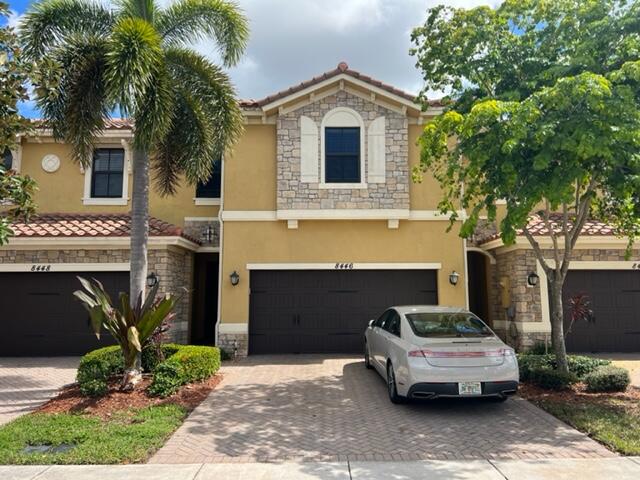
column 319, row 311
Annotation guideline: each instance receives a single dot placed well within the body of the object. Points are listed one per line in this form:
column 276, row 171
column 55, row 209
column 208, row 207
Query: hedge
column 608, row 379
column 579, row 365
column 95, row 369
column 188, row 364
column 98, row 366
column 552, row 379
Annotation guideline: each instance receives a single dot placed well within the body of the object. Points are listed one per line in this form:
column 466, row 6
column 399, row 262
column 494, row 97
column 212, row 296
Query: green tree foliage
column 545, row 113
column 133, row 56
column 15, row 190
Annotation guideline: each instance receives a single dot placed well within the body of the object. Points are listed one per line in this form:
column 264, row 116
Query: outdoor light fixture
column 207, row 234
column 454, row 277
column 235, row 278
column 152, row 280
column 532, row 279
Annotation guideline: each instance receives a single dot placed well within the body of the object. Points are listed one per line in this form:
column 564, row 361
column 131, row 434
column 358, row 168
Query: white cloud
column 294, row 40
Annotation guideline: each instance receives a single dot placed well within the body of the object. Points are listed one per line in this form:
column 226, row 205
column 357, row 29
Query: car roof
column 404, row 309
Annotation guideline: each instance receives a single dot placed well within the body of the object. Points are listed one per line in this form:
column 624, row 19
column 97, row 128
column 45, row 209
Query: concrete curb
column 557, row 469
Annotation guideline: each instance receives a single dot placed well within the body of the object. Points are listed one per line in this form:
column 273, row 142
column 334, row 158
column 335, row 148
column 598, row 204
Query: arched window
column 342, row 152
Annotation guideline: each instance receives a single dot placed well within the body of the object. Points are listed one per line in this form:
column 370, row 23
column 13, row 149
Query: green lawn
column 613, row 423
column 125, row 438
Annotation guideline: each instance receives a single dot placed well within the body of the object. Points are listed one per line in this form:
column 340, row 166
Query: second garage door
column 615, row 300
column 306, row 311
column 41, row 317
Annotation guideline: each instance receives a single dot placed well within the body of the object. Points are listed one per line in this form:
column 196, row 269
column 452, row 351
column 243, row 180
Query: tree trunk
column 139, row 237
column 554, row 286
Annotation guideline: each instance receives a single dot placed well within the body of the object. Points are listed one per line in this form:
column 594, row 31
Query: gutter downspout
column 221, row 251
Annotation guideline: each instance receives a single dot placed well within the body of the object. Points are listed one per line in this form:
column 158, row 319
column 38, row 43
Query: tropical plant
column 15, row 190
column 579, row 311
column 134, row 58
column 129, row 326
column 544, row 112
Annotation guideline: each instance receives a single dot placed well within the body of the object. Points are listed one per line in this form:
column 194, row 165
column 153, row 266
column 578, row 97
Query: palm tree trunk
column 139, row 237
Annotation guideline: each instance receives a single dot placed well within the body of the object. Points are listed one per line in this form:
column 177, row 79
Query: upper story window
column 107, row 173
column 342, row 155
column 208, row 193
column 7, row 159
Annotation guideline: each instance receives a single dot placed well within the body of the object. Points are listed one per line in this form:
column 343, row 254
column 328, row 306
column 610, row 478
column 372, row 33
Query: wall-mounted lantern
column 454, row 277
column 152, row 280
column 533, row 279
column 208, row 234
column 235, row 278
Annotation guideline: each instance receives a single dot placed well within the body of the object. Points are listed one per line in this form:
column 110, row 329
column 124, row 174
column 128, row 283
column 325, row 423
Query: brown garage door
column 41, row 317
column 327, row 311
column 615, row 300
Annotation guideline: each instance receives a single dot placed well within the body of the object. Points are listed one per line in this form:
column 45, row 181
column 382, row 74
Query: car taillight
column 501, row 352
column 416, row 353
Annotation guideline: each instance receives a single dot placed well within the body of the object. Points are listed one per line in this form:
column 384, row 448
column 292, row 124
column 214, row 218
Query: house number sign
column 40, row 268
column 344, row 266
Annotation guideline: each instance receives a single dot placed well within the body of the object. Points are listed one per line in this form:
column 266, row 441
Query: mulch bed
column 578, row 393
column 70, row 400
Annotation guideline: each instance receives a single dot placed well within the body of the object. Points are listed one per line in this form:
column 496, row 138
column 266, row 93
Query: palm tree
column 134, row 58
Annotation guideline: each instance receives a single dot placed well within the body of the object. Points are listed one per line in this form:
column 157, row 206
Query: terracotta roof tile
column 91, row 225
column 538, row 227
column 342, row 68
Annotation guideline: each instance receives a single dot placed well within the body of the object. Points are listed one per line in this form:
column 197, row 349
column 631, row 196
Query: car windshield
column 447, row 324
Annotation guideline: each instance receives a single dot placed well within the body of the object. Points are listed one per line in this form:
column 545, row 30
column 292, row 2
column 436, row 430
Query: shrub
column 552, row 379
column 188, row 364
column 96, row 367
column 578, row 364
column 538, row 348
column 608, row 379
column 583, row 366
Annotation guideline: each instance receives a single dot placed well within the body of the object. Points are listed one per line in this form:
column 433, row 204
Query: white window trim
column 329, row 120
column 87, row 199
column 206, row 201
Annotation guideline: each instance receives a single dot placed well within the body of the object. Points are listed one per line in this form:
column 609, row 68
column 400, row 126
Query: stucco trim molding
column 349, row 266
column 79, row 243
column 523, row 327
column 233, row 328
column 65, row 267
column 249, row 216
column 583, row 242
column 206, row 202
column 334, row 214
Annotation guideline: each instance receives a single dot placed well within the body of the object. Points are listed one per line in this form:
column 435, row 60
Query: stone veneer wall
column 294, row 194
column 517, row 264
column 235, row 344
column 195, row 229
column 173, row 266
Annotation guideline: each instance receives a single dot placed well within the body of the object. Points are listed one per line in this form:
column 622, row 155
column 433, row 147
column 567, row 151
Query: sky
column 294, row 40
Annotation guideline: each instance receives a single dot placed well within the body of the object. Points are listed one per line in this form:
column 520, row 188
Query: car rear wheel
column 391, row 386
column 367, row 358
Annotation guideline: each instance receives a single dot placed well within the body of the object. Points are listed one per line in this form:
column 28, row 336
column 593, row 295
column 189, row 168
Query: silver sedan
column 429, row 352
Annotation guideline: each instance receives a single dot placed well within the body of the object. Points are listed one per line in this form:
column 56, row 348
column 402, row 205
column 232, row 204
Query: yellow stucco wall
column 336, row 241
column 62, row 191
column 250, row 171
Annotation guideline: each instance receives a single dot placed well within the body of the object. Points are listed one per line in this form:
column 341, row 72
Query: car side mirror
column 371, row 322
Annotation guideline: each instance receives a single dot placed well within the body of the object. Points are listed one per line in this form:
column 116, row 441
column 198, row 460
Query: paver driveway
column 271, row 408
column 26, row 383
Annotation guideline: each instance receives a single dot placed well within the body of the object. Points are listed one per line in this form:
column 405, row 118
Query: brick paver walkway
column 26, row 383
column 272, row 408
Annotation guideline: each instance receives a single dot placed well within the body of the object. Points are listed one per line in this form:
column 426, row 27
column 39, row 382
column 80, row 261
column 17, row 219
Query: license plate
column 470, row 388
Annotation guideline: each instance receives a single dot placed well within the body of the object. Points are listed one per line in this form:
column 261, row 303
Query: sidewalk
column 619, row 468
